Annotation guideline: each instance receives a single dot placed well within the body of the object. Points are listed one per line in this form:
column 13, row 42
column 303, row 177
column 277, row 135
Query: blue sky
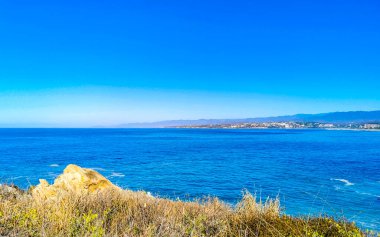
column 87, row 63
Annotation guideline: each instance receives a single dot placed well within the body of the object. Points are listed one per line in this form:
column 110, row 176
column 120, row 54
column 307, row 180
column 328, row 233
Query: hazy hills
column 334, row 117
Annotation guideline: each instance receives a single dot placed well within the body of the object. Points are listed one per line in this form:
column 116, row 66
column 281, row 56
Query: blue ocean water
column 312, row 171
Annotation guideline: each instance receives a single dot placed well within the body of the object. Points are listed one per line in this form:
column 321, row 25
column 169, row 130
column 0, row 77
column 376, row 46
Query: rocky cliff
column 73, row 180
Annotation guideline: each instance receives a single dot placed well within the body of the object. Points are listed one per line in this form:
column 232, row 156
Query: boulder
column 74, row 180
column 10, row 191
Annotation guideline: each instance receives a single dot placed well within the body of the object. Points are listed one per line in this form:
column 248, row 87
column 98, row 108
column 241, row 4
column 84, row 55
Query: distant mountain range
column 334, row 117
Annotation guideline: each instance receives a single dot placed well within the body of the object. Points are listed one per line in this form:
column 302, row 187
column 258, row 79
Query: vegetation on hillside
column 127, row 213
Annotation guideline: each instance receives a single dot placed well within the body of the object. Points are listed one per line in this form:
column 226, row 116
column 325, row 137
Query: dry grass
column 126, row 213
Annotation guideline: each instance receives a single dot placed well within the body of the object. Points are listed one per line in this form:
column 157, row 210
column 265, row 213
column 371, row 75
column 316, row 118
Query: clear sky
column 87, row 63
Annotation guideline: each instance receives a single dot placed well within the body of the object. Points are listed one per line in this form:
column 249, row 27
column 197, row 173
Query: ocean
column 312, row 172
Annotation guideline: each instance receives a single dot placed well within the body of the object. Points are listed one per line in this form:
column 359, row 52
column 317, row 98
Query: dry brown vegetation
column 127, row 213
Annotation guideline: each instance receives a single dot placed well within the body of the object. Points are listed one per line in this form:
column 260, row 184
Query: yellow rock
column 73, row 180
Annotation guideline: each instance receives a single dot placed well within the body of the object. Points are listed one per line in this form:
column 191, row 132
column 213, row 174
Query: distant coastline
column 292, row 125
column 329, row 129
column 350, row 119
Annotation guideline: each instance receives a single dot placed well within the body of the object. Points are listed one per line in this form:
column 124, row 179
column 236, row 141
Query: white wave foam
column 368, row 194
column 54, row 165
column 18, row 177
column 52, row 174
column 115, row 174
column 98, row 169
column 345, row 181
column 337, row 188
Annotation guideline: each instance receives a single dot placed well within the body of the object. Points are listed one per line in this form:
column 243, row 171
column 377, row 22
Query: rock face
column 10, row 191
column 75, row 180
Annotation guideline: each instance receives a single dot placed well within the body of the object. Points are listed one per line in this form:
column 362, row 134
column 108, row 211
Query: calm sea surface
column 312, row 171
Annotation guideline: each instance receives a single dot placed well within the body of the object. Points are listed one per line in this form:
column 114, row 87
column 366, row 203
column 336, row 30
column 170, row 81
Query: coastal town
column 290, row 125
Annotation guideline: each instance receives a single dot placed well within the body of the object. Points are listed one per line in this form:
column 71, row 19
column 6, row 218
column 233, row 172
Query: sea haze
column 312, row 171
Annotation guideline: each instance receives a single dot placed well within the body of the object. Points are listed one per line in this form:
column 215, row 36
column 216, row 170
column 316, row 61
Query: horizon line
column 121, row 125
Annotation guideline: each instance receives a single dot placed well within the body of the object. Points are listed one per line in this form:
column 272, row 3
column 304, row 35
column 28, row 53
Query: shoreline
column 332, row 129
